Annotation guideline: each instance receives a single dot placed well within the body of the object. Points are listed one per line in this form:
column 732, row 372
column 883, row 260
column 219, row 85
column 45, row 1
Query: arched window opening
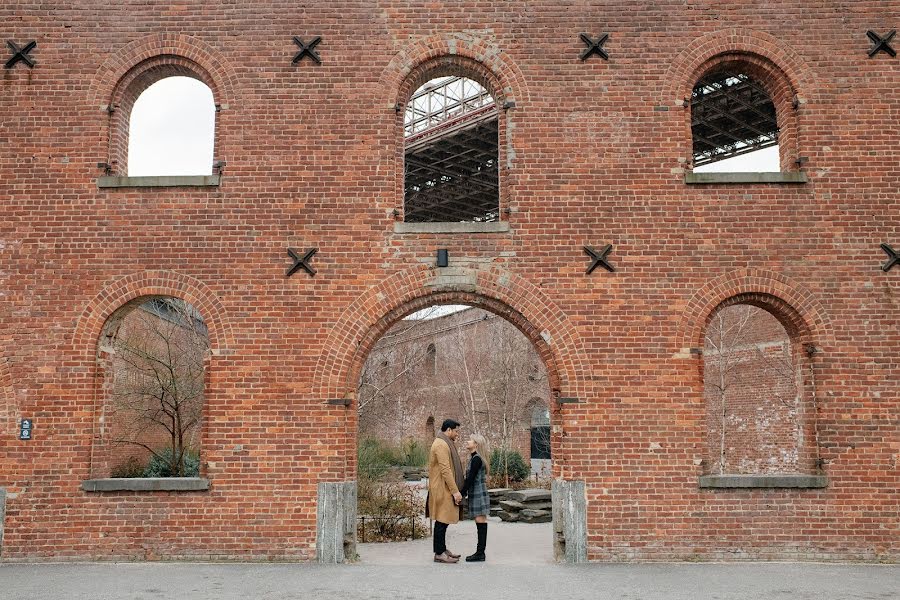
column 540, row 432
column 430, row 360
column 733, row 123
column 172, row 129
column 429, row 428
column 753, row 392
column 451, row 153
column 154, row 354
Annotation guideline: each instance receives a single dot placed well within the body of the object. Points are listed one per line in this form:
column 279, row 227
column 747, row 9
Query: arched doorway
column 468, row 364
column 495, row 290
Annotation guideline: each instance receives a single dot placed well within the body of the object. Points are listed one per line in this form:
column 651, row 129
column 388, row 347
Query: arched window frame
column 121, row 103
column 784, row 96
column 803, row 348
column 444, row 66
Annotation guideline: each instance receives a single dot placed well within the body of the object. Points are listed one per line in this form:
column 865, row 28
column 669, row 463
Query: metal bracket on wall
column 307, row 50
column 594, row 47
column 20, row 54
column 893, row 258
column 338, row 402
column 882, row 44
column 301, row 262
column 599, row 259
column 561, row 400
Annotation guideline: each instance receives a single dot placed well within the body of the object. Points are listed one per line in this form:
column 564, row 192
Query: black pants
column 440, row 537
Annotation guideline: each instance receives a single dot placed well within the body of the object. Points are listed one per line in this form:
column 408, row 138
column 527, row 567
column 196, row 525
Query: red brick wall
column 593, row 153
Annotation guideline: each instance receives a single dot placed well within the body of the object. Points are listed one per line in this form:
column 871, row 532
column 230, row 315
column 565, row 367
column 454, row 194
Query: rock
column 495, row 512
column 511, row 506
column 508, row 517
column 498, row 492
column 538, row 505
column 530, row 495
column 535, row 516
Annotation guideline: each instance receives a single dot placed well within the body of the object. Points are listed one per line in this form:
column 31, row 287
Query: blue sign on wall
column 25, row 431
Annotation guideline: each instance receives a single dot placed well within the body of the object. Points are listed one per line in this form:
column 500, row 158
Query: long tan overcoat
column 441, row 484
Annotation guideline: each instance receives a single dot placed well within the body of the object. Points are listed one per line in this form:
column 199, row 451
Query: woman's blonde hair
column 484, row 450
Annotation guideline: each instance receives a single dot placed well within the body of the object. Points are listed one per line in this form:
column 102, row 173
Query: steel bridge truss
column 451, row 153
column 731, row 115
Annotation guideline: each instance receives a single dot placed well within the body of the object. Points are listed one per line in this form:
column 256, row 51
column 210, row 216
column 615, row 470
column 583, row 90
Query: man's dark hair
column 449, row 424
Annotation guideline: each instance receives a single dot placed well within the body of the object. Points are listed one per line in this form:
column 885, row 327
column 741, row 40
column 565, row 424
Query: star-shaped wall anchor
column 893, row 258
column 594, row 47
column 307, row 50
column 599, row 258
column 301, row 262
column 882, row 44
column 20, row 54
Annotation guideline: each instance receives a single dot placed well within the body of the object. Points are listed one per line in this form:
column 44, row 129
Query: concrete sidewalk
column 513, row 544
column 180, row 581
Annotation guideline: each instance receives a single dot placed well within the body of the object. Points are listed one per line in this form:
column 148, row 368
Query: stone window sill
column 159, row 181
column 784, row 177
column 146, row 484
column 763, row 481
column 496, row 227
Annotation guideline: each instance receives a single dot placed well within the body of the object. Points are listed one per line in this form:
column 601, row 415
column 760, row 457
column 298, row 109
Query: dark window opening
column 451, row 153
column 732, row 115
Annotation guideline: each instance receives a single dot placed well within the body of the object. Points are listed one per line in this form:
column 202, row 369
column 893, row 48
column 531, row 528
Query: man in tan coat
column 445, row 477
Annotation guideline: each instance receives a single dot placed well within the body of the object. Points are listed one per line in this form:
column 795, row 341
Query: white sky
column 172, row 128
column 173, row 122
column 433, row 312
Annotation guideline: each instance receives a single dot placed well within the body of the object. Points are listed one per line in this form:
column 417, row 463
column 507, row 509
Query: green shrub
column 414, row 454
column 374, row 458
column 160, row 464
column 509, row 463
column 132, row 467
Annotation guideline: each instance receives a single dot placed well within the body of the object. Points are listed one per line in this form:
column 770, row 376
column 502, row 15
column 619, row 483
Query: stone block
column 535, row 516
column 511, row 505
column 530, row 495
column 569, row 521
column 510, row 517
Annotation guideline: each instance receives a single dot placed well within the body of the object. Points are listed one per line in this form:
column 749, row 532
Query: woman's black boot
column 482, row 544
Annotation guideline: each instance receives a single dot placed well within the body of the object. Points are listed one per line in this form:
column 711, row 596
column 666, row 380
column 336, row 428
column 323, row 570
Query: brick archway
column 151, row 283
column 795, row 307
column 492, row 288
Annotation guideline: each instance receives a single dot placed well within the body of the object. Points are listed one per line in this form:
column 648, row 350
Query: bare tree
column 158, row 358
column 731, row 341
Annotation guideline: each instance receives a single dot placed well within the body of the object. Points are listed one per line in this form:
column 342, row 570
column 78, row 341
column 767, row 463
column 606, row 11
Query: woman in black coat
column 475, row 488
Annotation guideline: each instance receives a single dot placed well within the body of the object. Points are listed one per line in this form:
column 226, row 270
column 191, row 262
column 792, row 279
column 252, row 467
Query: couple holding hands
column 446, row 489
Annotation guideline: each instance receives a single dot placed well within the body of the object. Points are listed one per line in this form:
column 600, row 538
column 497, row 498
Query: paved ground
column 180, row 581
column 520, row 565
column 520, row 544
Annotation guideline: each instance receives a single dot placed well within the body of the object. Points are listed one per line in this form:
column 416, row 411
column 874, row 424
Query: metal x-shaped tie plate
column 20, row 54
column 599, row 258
column 594, row 47
column 893, row 258
column 301, row 262
column 307, row 49
column 882, row 44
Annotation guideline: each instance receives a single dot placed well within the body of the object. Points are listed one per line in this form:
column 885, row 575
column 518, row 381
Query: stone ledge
column 496, row 227
column 763, row 481
column 785, row 177
column 146, row 484
column 159, row 181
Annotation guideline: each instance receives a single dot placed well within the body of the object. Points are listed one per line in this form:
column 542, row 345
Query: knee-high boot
column 482, row 544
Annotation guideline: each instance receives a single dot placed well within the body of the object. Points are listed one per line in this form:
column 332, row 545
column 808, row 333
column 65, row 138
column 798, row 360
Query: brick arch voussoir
column 497, row 290
column 508, row 80
column 120, row 63
column 685, row 68
column 114, row 296
column 796, row 307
